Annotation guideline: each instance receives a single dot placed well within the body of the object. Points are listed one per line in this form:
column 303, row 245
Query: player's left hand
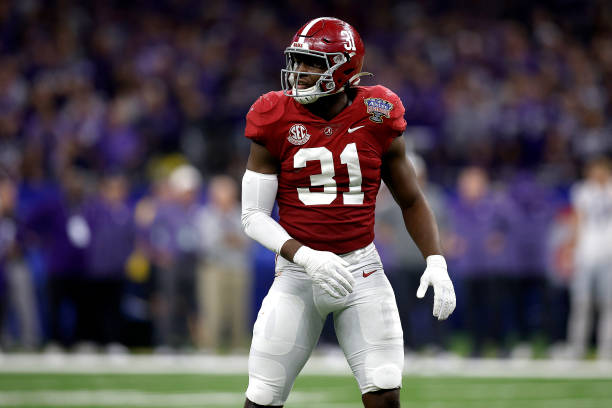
column 436, row 275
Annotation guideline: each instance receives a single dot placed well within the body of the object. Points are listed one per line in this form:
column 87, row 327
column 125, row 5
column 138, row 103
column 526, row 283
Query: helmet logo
column 298, row 135
column 378, row 108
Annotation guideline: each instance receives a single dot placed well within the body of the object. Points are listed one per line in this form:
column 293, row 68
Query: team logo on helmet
column 378, row 108
column 298, row 135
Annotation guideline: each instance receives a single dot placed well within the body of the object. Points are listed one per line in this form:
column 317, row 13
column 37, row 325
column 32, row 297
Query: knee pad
column 382, row 370
column 267, row 380
column 387, row 377
column 259, row 393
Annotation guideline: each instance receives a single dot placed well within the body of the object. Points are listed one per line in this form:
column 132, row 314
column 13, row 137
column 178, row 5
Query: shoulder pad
column 395, row 119
column 267, row 109
column 384, row 93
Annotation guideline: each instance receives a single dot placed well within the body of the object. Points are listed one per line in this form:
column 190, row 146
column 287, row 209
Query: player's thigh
column 285, row 332
column 370, row 334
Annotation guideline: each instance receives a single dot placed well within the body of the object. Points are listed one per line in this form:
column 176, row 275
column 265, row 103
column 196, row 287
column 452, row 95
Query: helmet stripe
column 307, row 28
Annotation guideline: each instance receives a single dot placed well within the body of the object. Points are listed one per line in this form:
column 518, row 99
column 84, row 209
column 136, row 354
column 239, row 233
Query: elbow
column 248, row 218
column 410, row 202
column 245, row 220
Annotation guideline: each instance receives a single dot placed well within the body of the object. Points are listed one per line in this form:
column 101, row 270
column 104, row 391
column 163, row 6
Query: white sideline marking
column 330, row 364
column 121, row 398
column 540, row 403
column 115, row 398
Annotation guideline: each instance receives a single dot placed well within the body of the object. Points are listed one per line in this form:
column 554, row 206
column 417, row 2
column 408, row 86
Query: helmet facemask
column 325, row 85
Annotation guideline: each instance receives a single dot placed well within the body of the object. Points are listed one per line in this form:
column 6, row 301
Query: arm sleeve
column 258, row 195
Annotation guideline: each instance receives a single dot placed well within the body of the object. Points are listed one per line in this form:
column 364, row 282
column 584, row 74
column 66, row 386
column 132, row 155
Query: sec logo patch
column 298, row 135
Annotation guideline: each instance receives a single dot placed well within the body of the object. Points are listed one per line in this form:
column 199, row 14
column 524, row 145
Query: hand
column 327, row 270
column 444, row 294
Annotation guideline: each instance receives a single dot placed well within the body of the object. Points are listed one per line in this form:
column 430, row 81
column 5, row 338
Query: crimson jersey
column 329, row 170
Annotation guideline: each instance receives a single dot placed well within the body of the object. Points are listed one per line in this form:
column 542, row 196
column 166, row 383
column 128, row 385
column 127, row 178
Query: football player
column 320, row 148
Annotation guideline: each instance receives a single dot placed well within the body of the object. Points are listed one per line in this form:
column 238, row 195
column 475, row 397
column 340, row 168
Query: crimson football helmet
column 328, row 43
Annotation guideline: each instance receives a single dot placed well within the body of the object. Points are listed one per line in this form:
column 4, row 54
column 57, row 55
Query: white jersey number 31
column 326, row 177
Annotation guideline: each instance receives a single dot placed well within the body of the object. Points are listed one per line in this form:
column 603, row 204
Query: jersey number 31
column 326, row 178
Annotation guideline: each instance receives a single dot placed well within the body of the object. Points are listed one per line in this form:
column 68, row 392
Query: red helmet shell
column 331, row 37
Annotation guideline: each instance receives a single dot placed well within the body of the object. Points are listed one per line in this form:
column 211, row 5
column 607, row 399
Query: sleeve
column 261, row 116
column 258, row 196
column 395, row 124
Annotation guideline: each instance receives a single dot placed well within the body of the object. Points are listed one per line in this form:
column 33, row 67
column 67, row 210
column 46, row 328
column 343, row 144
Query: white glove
column 327, row 270
column 444, row 294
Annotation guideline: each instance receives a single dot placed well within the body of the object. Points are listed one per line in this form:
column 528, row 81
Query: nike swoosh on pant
column 365, row 275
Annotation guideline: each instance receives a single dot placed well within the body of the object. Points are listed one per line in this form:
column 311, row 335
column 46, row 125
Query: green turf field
column 220, row 391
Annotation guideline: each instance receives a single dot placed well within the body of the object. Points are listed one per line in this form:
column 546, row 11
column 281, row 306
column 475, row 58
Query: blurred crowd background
column 122, row 149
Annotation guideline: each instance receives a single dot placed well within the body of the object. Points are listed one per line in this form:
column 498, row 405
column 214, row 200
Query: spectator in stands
column 111, row 230
column 224, row 277
column 560, row 268
column 175, row 242
column 8, row 245
column 483, row 256
column 53, row 223
column 536, row 207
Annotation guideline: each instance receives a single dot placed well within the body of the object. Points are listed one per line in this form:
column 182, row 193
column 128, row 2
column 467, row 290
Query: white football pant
column 291, row 318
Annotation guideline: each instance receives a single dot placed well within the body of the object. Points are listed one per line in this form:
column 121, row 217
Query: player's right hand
column 327, row 270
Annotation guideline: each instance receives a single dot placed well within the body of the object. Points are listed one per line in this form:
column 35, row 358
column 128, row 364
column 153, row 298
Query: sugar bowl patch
column 378, row 108
column 298, row 135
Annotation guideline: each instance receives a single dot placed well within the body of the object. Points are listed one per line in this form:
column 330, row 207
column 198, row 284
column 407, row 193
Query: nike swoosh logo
column 365, row 275
column 351, row 130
